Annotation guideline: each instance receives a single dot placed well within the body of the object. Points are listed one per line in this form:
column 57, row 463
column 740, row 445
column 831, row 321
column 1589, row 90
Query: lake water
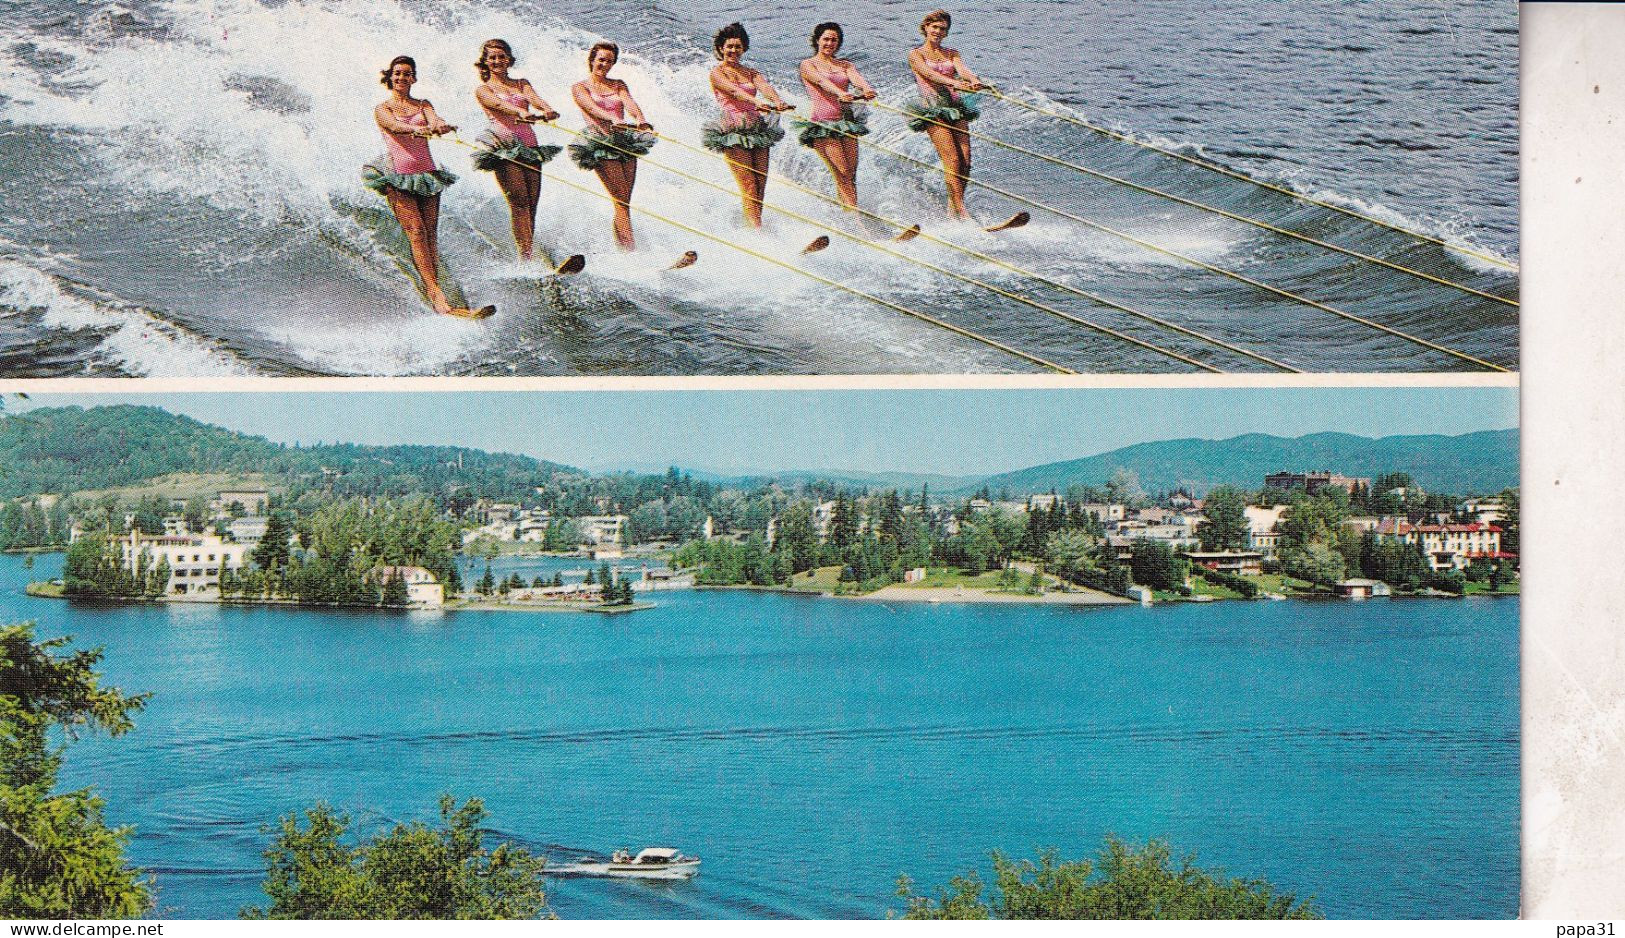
column 229, row 134
column 810, row 750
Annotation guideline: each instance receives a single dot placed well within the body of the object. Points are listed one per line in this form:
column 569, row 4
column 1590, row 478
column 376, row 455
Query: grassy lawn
column 1283, row 584
column 821, row 578
column 948, row 577
column 1204, row 588
column 46, row 590
column 1512, row 588
column 184, row 485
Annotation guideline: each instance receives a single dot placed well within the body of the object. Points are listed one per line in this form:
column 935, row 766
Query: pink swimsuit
column 826, row 107
column 409, row 154
column 505, row 126
column 931, row 92
column 737, row 113
column 611, row 103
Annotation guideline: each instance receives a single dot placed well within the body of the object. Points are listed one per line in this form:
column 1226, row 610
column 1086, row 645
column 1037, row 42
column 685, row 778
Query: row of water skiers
column 617, row 132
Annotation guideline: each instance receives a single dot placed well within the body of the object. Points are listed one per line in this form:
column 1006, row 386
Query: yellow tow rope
column 928, row 265
column 1192, row 203
column 1491, row 366
column 1172, row 326
column 966, row 333
column 1214, row 167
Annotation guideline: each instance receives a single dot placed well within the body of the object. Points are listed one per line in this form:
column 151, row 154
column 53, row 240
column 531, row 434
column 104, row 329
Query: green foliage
column 1156, row 565
column 1246, row 587
column 61, row 858
column 411, row 872
column 1317, row 563
column 1225, row 523
column 1122, row 882
column 395, row 592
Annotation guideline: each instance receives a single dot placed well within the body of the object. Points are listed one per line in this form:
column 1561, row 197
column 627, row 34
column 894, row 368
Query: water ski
column 574, row 264
column 907, row 234
column 464, row 312
column 815, row 245
column 687, row 260
column 1014, row 221
column 387, row 234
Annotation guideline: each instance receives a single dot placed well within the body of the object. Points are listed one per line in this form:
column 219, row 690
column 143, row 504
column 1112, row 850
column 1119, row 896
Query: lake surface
column 810, row 750
column 257, row 253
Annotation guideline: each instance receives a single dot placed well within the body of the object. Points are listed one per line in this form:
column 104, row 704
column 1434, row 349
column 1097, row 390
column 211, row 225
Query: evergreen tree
column 61, row 860
column 395, row 592
column 271, row 554
column 487, row 584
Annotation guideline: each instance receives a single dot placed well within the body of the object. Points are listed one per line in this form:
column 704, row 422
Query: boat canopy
column 656, row 854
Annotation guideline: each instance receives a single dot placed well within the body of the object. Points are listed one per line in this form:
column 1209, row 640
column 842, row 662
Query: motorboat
column 649, row 863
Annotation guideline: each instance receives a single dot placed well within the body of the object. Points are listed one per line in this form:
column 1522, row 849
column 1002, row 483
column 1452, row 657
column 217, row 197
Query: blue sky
column 952, row 432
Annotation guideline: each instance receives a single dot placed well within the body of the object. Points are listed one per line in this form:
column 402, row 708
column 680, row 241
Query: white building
column 423, row 589
column 1261, row 533
column 195, row 560
column 248, row 530
column 601, row 529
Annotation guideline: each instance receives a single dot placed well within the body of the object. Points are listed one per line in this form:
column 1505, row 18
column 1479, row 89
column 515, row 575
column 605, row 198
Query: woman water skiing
column 511, row 151
column 942, row 113
column 611, row 144
column 748, row 128
column 407, row 176
column 834, row 85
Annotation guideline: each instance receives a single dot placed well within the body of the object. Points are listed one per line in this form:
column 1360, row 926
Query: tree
column 1511, row 521
column 61, row 860
column 1122, row 882
column 487, row 584
column 1225, row 526
column 271, row 553
column 1316, row 563
column 395, row 592
column 1156, row 565
column 412, row 872
column 1124, row 487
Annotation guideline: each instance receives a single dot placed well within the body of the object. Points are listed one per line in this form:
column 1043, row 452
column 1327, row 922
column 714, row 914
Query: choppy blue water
column 811, row 750
column 179, row 191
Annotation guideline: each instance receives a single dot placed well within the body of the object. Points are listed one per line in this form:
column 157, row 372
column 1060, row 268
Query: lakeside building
column 601, row 529
column 1447, row 546
column 1239, row 562
column 194, row 560
column 423, row 588
column 1261, row 533
column 1361, row 588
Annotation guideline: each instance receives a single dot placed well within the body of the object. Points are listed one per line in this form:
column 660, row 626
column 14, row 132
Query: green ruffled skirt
column 850, row 124
column 944, row 111
column 499, row 152
column 594, row 148
column 377, row 177
column 758, row 135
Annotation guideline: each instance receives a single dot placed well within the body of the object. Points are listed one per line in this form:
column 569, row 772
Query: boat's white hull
column 628, row 870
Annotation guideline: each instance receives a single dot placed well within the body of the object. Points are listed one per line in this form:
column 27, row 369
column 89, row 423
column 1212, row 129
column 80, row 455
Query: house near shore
column 194, row 560
column 423, row 588
column 1238, row 562
column 1448, row 546
column 1361, row 588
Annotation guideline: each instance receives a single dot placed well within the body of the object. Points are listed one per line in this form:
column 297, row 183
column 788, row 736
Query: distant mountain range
column 64, row 449
column 75, row 449
column 1486, row 461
